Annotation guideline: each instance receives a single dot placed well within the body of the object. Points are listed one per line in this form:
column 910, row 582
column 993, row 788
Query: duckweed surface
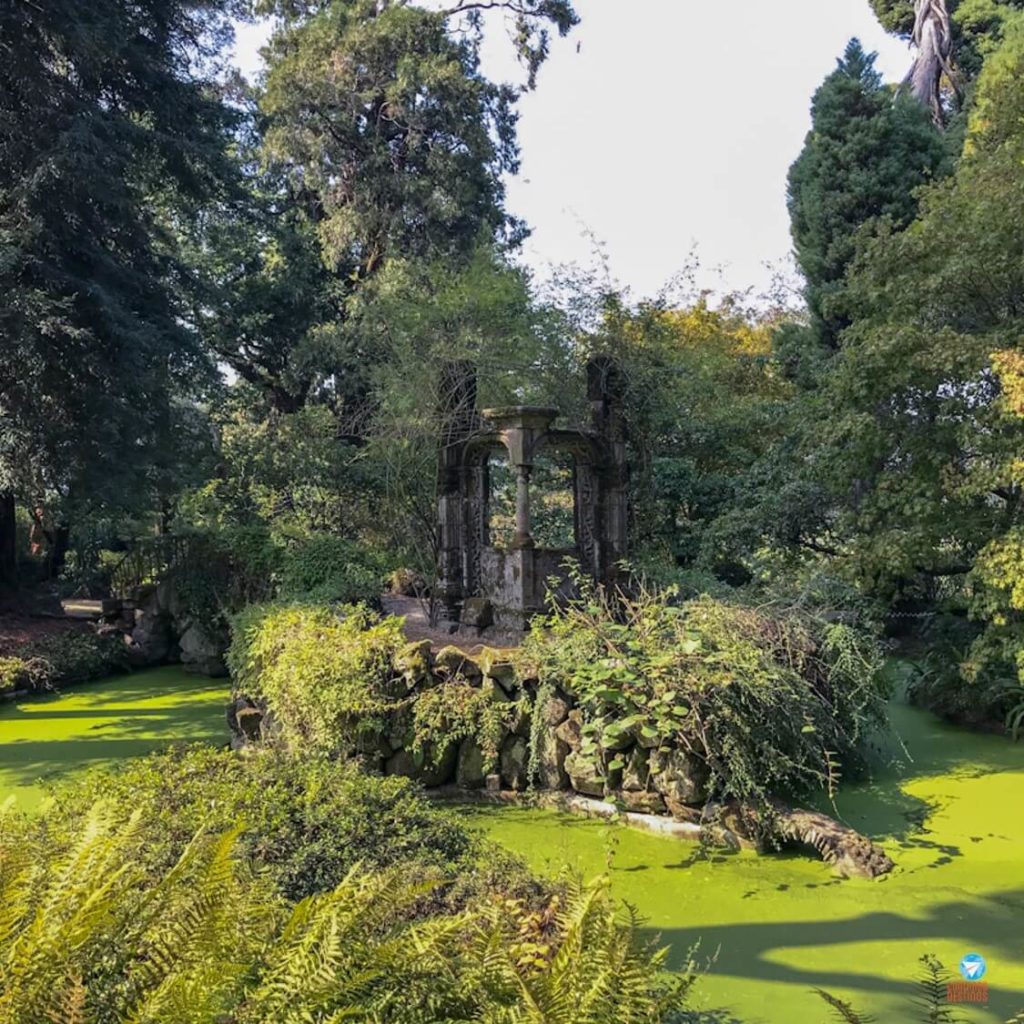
column 947, row 805
column 44, row 738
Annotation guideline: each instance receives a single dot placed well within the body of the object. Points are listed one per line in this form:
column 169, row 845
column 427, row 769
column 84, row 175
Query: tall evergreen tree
column 864, row 158
column 110, row 125
column 381, row 140
column 924, row 433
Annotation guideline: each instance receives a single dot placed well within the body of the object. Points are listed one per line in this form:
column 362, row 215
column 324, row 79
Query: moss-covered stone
column 680, row 777
column 514, row 759
column 552, row 751
column 637, row 772
column 412, row 663
column 495, row 664
column 451, row 661
column 469, row 769
column 571, row 730
column 432, row 770
column 587, row 777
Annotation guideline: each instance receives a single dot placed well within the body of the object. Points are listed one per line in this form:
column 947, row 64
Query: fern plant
column 596, row 970
column 932, row 985
column 843, row 1011
column 88, row 935
column 930, row 1002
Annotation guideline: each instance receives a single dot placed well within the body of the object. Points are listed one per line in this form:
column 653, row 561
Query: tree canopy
column 111, row 125
column 862, row 162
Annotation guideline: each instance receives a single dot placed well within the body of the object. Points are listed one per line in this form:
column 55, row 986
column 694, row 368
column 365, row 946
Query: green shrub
column 15, row 674
column 307, row 821
column 324, row 673
column 937, row 682
column 325, row 568
column 225, row 571
column 771, row 699
column 656, row 569
column 89, row 935
column 59, row 660
column 457, row 710
column 79, row 657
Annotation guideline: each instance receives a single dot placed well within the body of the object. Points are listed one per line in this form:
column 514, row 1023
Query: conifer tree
column 111, row 125
column 865, row 156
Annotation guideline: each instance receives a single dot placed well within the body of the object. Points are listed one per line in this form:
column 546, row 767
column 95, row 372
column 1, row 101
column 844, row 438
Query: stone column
column 523, row 538
column 458, row 420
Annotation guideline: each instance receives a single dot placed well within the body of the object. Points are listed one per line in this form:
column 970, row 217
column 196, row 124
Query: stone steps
column 91, row 611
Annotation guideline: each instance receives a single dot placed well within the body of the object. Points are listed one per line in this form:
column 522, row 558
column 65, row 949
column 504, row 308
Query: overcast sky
column 671, row 128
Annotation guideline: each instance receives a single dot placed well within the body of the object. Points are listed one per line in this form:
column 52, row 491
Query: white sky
column 671, row 129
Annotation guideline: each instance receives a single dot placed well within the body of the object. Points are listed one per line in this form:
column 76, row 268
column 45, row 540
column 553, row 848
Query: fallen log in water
column 846, row 851
column 849, row 853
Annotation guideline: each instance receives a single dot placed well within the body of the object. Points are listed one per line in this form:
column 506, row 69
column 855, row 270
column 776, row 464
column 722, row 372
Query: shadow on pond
column 984, row 922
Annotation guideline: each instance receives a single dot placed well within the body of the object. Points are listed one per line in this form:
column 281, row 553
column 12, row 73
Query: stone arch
column 513, row 579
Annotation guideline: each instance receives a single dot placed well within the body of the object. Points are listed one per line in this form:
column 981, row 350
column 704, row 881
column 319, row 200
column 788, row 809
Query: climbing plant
column 770, row 699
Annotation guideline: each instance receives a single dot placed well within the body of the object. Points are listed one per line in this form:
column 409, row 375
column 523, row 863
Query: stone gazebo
column 480, row 583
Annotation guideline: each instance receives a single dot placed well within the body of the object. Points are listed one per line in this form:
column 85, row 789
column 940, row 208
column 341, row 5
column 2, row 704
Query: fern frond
column 843, row 1011
column 932, row 987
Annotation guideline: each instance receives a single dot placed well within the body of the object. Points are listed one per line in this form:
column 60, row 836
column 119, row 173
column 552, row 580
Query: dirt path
column 416, row 613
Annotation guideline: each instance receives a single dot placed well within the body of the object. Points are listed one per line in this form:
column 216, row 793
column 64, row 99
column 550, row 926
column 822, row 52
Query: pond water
column 948, row 807
column 43, row 738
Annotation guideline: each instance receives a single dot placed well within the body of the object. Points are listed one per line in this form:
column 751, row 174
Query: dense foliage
column 303, row 822
column 862, row 162
column 325, row 673
column 96, row 926
column 74, row 657
column 110, row 126
column 924, row 419
column 771, row 699
column 230, row 312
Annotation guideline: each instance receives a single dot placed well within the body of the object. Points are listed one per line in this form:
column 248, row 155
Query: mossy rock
column 641, row 803
column 494, row 692
column 495, row 664
column 637, row 772
column 451, row 661
column 680, row 777
column 571, row 730
column 412, row 662
column 470, row 770
column 555, row 710
column 587, row 776
column 431, row 770
column 515, row 758
column 552, row 752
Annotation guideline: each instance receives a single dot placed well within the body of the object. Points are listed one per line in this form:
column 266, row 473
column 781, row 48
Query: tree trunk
column 8, row 543
column 60, row 541
column 933, row 37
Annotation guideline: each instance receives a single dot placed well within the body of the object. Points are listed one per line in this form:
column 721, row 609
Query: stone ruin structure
column 481, row 584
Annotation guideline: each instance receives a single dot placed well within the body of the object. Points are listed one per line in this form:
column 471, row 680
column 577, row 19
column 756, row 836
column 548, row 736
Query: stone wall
column 549, row 743
column 651, row 781
column 158, row 630
column 518, row 579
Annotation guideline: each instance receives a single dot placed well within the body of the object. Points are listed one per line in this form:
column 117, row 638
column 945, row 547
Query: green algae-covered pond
column 948, row 806
column 44, row 738
column 949, row 809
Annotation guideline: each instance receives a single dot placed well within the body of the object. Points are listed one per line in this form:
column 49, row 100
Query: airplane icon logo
column 973, row 967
